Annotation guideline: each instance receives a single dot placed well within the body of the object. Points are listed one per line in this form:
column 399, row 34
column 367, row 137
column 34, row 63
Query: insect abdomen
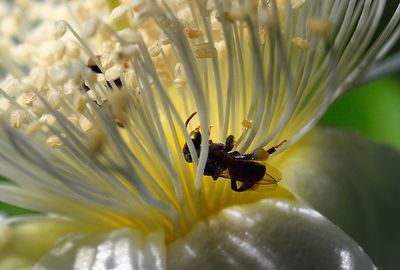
column 247, row 171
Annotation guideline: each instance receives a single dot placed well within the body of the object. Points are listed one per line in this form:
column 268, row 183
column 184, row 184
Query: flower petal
column 123, row 249
column 355, row 183
column 269, row 234
column 23, row 240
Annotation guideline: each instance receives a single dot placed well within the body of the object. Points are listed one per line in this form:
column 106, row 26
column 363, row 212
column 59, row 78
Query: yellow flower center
column 95, row 129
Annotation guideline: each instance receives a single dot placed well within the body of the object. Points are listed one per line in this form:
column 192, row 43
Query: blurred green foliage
column 372, row 110
column 12, row 210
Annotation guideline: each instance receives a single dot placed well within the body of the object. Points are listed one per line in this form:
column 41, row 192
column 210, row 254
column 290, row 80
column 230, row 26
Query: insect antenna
column 273, row 149
column 190, row 118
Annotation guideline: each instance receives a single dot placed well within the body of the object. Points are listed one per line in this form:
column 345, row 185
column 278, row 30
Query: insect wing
column 272, row 176
column 263, row 187
column 225, row 174
column 269, row 181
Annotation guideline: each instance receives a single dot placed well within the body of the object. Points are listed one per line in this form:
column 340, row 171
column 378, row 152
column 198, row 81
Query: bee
column 232, row 165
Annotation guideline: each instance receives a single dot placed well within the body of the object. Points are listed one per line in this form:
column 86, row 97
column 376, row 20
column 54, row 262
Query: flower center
column 93, row 123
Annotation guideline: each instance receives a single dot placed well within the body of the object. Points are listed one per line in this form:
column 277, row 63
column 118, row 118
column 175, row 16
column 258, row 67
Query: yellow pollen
column 18, row 118
column 34, row 127
column 48, row 119
column 85, row 123
column 247, row 123
column 300, row 43
column 60, row 29
column 203, row 50
column 119, row 102
column 193, row 33
column 80, row 103
column 179, row 83
column 39, row 78
column 90, row 27
column 106, row 60
column 54, row 142
column 320, row 27
column 118, row 13
column 72, row 49
column 55, row 99
column 28, row 98
column 95, row 141
column 155, row 49
column 113, row 73
column 130, row 79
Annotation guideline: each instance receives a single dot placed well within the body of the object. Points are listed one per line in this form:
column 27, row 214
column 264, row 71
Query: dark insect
column 92, row 65
column 225, row 163
column 84, row 88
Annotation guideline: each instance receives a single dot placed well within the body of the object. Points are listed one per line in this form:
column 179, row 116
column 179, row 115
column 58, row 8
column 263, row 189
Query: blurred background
column 371, row 109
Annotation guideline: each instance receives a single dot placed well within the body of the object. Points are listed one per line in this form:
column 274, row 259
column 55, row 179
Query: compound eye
column 186, row 153
column 195, row 135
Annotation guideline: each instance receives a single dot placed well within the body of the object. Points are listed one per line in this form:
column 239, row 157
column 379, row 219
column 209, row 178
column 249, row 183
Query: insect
column 84, row 88
column 93, row 66
column 225, row 163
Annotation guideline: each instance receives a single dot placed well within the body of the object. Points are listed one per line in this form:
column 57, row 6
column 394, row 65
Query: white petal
column 355, row 183
column 124, row 249
column 270, row 234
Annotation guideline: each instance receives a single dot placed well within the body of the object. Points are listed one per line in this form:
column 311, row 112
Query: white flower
column 92, row 134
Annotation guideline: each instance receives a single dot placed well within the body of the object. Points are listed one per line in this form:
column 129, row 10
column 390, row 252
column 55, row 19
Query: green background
column 372, row 110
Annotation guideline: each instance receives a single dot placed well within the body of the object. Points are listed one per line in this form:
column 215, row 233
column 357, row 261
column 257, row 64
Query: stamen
column 301, row 43
column 59, row 29
column 90, row 27
column 54, row 98
column 95, row 141
column 247, row 123
column 204, row 51
column 321, row 27
column 103, row 138
column 34, row 127
column 54, row 142
column 72, row 49
column 18, row 118
column 119, row 13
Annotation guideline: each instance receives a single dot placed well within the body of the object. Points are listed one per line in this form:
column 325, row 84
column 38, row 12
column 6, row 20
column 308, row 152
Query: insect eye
column 186, row 153
column 195, row 135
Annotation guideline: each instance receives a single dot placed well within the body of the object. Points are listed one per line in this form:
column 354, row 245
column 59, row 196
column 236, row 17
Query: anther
column 54, row 142
column 247, row 123
column 320, row 27
column 118, row 13
column 203, row 50
column 18, row 118
column 90, row 27
column 300, row 43
column 59, row 29
column 95, row 141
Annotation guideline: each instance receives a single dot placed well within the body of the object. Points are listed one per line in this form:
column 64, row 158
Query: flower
column 94, row 106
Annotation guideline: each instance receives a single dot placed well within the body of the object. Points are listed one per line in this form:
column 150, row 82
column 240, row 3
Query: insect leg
column 245, row 186
column 273, row 149
column 229, row 143
column 234, row 185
